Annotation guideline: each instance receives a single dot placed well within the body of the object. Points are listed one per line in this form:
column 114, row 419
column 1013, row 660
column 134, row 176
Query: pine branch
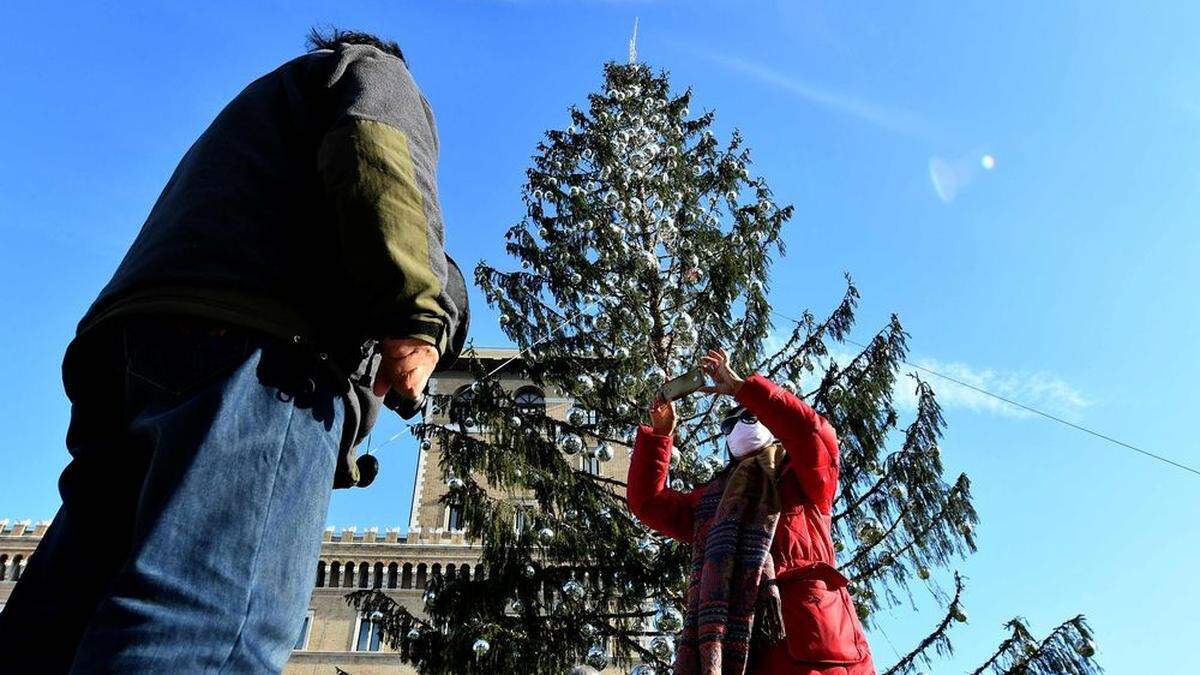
column 916, row 538
column 936, row 639
column 1066, row 650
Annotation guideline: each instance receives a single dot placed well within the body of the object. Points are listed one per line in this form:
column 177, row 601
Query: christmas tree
column 645, row 242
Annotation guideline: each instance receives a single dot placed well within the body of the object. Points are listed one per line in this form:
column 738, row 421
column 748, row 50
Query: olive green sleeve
column 390, row 247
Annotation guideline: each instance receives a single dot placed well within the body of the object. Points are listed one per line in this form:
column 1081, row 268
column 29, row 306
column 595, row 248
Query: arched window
column 320, row 573
column 335, row 574
column 392, row 574
column 348, row 579
column 422, row 576
column 406, row 576
column 462, row 406
column 479, row 571
column 3, row 567
column 364, row 575
column 530, row 399
column 17, row 568
column 378, row 576
column 436, row 570
column 450, row 573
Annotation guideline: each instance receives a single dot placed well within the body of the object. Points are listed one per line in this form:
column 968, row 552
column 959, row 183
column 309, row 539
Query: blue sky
column 1065, row 276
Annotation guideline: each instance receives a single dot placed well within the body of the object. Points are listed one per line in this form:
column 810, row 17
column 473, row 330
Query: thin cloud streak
column 1037, row 389
column 892, row 119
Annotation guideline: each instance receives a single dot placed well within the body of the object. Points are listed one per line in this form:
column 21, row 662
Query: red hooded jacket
column 824, row 636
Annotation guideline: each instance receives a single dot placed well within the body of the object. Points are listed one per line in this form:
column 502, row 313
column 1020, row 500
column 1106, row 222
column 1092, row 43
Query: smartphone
column 682, row 386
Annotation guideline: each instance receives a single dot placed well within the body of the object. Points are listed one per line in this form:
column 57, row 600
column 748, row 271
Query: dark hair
column 330, row 38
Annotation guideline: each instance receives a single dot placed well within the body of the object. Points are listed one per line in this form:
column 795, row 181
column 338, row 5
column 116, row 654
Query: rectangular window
column 590, row 465
column 368, row 637
column 520, row 520
column 454, row 518
column 302, row 640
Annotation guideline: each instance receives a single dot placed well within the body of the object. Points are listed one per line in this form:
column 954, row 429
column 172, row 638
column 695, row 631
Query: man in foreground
column 290, row 275
column 764, row 595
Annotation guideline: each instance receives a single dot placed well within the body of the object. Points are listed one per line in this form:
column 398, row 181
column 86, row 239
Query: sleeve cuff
column 647, row 432
column 430, row 331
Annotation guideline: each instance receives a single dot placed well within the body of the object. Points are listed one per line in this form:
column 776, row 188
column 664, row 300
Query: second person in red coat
column 761, row 536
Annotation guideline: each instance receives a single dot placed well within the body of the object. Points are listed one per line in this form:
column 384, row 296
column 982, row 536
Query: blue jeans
column 188, row 536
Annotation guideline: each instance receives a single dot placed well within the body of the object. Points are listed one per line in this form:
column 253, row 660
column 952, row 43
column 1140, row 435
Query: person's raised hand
column 662, row 417
column 406, row 367
column 724, row 381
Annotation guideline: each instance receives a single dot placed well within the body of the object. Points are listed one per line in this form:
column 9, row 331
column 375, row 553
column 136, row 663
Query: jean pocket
column 177, row 358
column 819, row 621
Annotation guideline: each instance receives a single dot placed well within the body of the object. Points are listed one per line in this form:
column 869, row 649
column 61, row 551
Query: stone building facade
column 334, row 636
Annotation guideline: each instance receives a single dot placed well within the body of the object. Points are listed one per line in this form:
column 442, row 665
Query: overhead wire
column 1026, row 407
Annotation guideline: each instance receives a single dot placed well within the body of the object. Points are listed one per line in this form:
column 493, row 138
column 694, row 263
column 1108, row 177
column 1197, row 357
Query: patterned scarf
column 733, row 574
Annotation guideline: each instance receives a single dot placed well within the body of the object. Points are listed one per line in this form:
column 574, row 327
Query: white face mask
column 748, row 438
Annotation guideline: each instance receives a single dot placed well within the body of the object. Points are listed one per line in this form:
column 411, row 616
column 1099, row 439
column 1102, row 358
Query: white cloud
column 1037, row 389
column 887, row 117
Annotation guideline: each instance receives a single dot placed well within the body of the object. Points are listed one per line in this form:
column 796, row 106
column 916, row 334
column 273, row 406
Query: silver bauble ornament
column 454, row 483
column 546, row 535
column 647, row 546
column 574, row 590
column 662, row 646
column 480, row 647
column 603, row 452
column 577, row 417
column 413, row 634
column 668, row 620
column 571, row 444
column 1086, row 649
column 923, row 572
column 596, row 657
column 870, row 531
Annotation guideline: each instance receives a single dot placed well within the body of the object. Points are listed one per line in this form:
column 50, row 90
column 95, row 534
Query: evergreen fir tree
column 645, row 242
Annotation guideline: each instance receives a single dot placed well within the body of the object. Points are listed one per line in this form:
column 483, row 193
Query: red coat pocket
column 819, row 620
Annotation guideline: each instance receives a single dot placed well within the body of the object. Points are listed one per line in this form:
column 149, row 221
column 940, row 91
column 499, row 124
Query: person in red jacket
column 797, row 449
